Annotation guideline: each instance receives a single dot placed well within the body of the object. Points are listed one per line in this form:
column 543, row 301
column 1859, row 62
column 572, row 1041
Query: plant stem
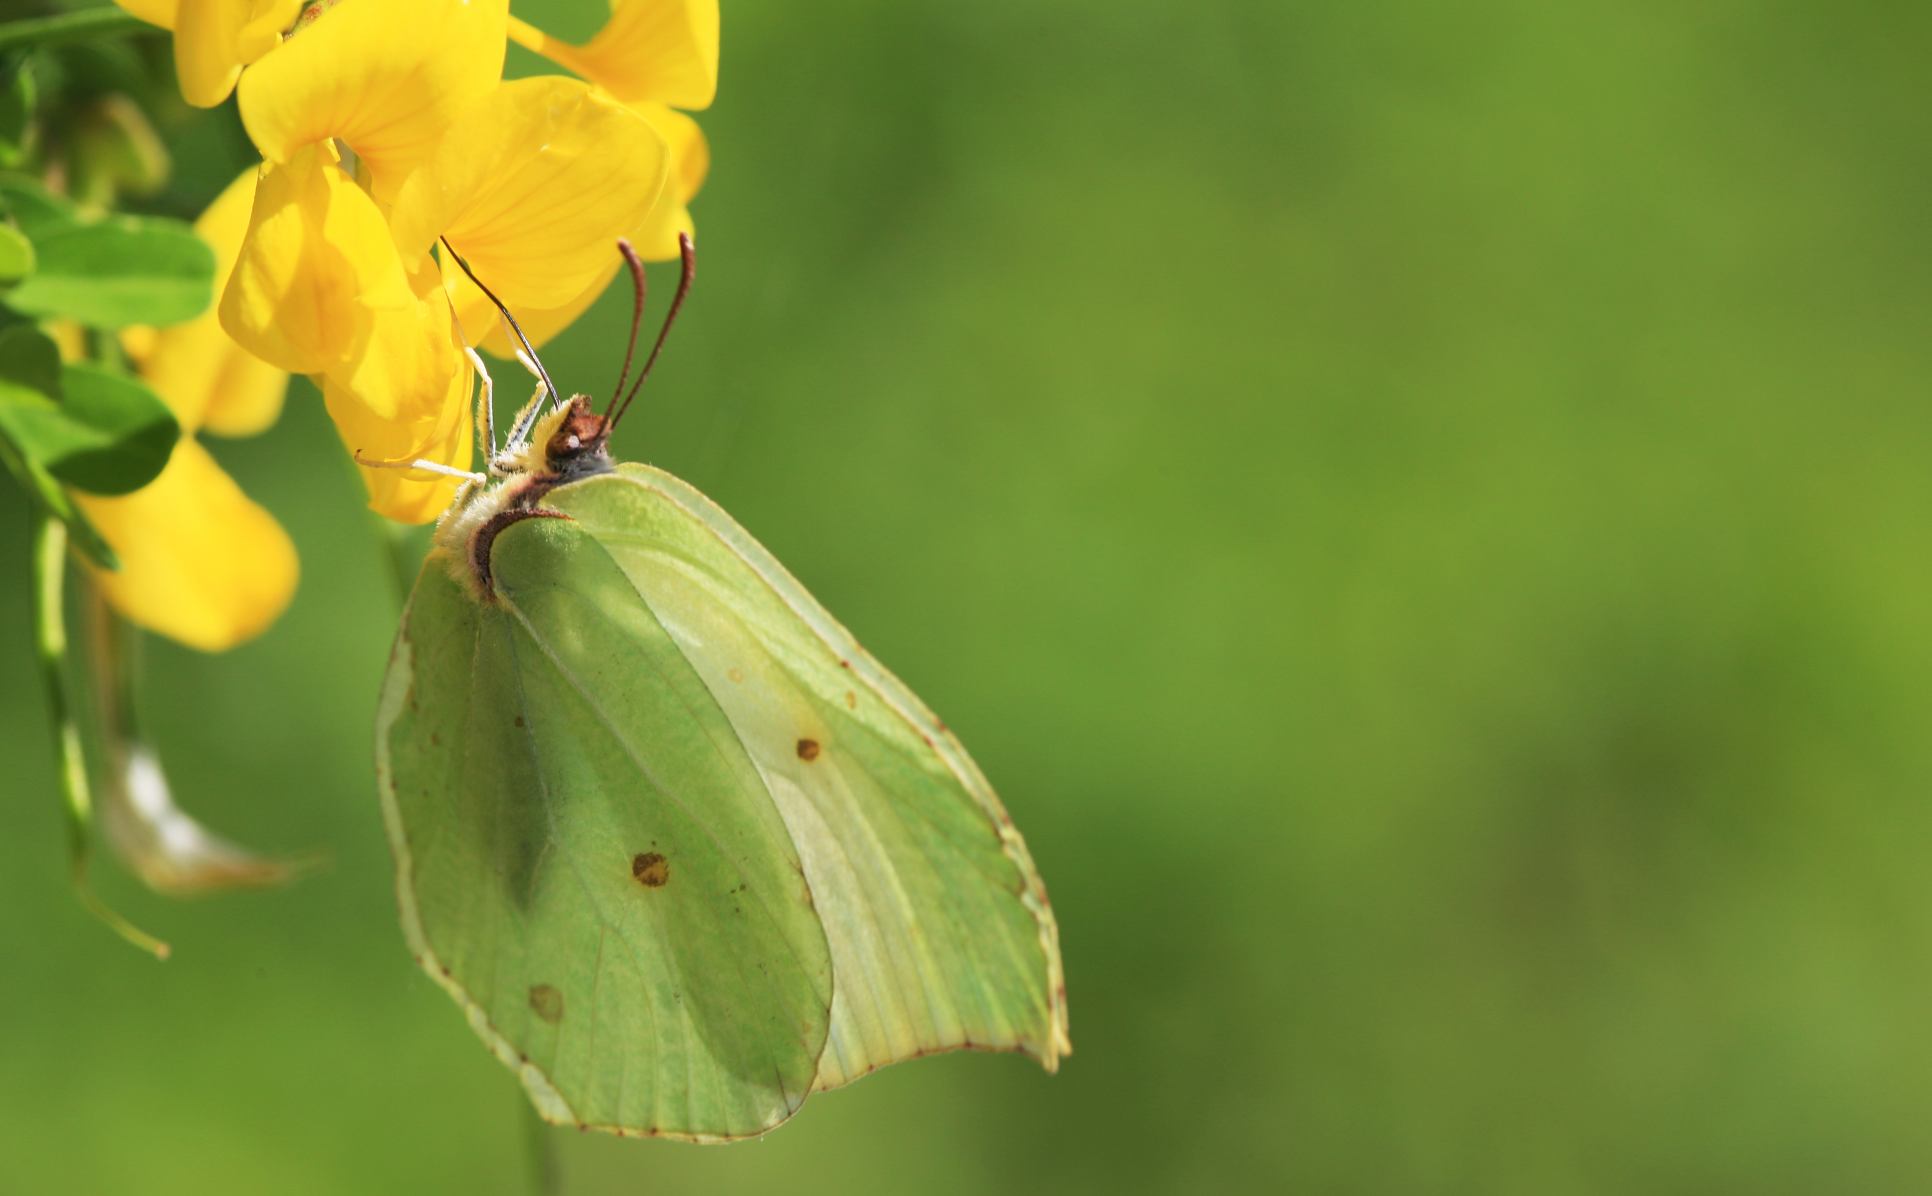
column 70, row 759
column 64, row 27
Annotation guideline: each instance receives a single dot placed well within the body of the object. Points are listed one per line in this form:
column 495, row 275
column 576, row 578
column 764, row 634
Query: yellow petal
column 386, row 78
column 442, row 434
column 533, row 187
column 248, row 394
column 208, row 380
column 154, row 12
column 245, row 393
column 316, row 265
column 215, row 39
column 405, row 368
column 661, row 50
column 657, row 239
column 690, row 152
column 200, row 562
column 407, row 397
column 484, row 328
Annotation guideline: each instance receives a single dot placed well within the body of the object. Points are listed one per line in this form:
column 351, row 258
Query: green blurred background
column 1423, row 511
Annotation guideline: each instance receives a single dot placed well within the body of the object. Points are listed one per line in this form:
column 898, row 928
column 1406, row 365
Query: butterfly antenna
column 549, row 387
column 689, row 252
column 637, row 318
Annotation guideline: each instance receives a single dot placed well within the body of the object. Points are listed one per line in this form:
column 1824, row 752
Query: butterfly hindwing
column 586, row 857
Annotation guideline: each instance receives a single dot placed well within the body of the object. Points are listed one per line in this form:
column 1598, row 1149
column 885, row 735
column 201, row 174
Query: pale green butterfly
column 683, row 852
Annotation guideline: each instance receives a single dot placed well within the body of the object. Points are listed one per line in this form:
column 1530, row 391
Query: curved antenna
column 550, row 388
column 689, row 252
column 637, row 317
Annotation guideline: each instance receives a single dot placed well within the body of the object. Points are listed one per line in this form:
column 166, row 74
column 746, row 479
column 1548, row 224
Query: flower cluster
column 391, row 146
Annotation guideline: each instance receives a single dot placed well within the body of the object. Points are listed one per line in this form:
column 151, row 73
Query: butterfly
column 682, row 851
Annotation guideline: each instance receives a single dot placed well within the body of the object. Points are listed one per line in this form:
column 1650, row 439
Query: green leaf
column 120, row 271
column 17, row 96
column 92, row 428
column 116, row 434
column 36, row 210
column 45, row 491
column 16, row 256
column 29, row 363
column 683, row 851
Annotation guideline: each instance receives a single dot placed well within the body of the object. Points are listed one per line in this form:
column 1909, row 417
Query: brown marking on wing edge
column 808, row 750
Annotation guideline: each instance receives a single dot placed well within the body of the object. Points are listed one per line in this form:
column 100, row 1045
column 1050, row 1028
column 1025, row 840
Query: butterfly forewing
column 938, row 923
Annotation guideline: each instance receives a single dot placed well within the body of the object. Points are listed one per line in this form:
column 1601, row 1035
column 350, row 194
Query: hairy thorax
column 568, row 445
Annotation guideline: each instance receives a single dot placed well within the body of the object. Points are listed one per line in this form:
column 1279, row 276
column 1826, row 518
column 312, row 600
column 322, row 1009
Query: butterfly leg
column 436, row 467
column 486, row 404
column 529, row 362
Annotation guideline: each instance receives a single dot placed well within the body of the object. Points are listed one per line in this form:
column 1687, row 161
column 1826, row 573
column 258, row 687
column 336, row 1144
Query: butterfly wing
column 937, row 921
column 586, row 857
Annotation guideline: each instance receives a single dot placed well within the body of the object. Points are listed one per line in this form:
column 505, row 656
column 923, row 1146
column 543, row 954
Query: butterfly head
column 575, row 440
column 572, row 440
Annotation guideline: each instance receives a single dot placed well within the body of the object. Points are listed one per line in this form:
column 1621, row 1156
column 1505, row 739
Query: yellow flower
column 215, row 39
column 386, row 79
column 197, row 368
column 480, row 322
column 656, row 56
column 442, row 433
column 200, row 562
column 320, row 289
column 660, row 51
column 316, row 267
column 533, row 187
column 531, row 181
column 656, row 239
column 406, row 397
column 690, row 162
